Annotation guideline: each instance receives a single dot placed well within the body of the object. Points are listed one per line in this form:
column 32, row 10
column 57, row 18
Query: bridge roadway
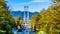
column 24, row 30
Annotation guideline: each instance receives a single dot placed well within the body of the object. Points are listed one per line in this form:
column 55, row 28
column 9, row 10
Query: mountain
column 21, row 13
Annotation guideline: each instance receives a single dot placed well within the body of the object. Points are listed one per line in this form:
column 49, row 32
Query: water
column 24, row 31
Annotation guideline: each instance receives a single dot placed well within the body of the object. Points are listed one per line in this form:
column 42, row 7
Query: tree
column 33, row 18
column 5, row 16
column 56, row 1
column 18, row 20
column 49, row 20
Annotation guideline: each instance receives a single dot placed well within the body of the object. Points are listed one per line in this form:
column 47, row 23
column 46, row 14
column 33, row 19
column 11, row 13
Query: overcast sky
column 34, row 5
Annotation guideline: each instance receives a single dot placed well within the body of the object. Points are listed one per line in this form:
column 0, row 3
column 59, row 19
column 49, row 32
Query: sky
column 34, row 5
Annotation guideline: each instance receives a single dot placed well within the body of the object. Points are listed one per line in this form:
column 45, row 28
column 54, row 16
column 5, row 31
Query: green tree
column 18, row 20
column 5, row 16
column 49, row 20
column 56, row 1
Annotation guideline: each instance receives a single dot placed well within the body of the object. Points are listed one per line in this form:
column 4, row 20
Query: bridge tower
column 26, row 16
